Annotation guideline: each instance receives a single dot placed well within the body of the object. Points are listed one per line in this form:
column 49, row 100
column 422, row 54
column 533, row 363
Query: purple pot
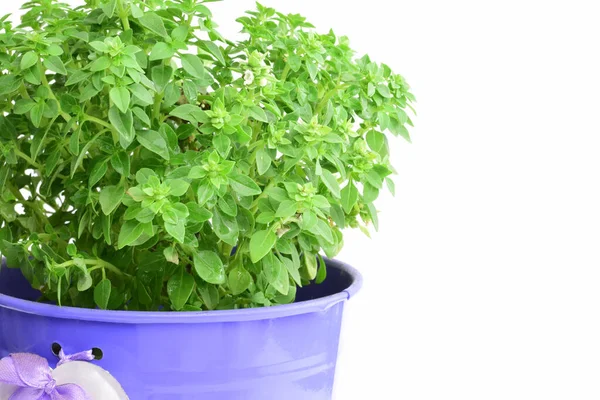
column 283, row 352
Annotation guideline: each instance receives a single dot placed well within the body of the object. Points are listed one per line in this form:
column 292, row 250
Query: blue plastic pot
column 284, row 352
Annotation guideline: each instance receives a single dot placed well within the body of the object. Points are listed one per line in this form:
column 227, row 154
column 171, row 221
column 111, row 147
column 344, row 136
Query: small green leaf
column 193, row 65
column 178, row 187
column 261, row 244
column 121, row 98
column 161, row 51
column 171, row 255
column 176, row 230
column 287, row 209
column 378, row 143
column 310, row 262
column 209, row 267
column 263, row 161
column 142, row 94
column 331, row 182
column 349, row 198
column 55, row 64
column 239, row 280
column 161, row 76
column 292, row 269
column 29, row 60
column 130, row 232
column 85, row 281
column 258, row 114
column 99, row 46
column 102, row 293
column 123, row 123
column 276, row 274
column 110, row 198
column 154, row 142
column 179, row 288
column 244, row 185
column 77, row 76
column 154, row 23
column 98, row 171
column 100, row 64
column 384, row 90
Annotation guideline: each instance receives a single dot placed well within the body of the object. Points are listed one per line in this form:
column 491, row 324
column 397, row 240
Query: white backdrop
column 483, row 282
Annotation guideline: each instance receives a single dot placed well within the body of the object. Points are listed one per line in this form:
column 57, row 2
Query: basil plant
column 148, row 163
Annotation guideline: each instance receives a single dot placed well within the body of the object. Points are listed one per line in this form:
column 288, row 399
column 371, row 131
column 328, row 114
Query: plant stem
column 98, row 121
column 97, row 263
column 156, row 107
column 124, row 16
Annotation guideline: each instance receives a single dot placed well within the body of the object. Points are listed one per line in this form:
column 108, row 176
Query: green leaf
column 276, row 274
column 239, row 280
column 161, row 51
column 292, row 269
column 142, row 94
column 102, row 293
column 98, row 171
column 77, row 76
column 130, row 232
column 85, row 281
column 193, row 65
column 55, row 50
column 161, row 76
column 142, row 116
column 55, row 64
column 123, row 123
column 349, row 197
column 322, row 271
column 378, row 143
column 213, row 49
column 331, row 182
column 244, row 185
column 37, row 114
column 154, row 23
column 178, row 187
column 209, row 267
column 198, row 214
column 179, row 288
column 310, row 263
column 263, row 161
column 121, row 163
column 109, row 8
column 154, row 142
column 100, row 46
column 384, row 90
column 121, row 98
column 258, row 114
column 176, row 230
column 29, row 60
column 100, row 64
column 287, row 209
column 171, row 255
column 110, row 198
column 23, row 106
column 261, row 244
column 8, row 84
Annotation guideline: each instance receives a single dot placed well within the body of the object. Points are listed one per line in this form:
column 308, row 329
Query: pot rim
column 190, row 317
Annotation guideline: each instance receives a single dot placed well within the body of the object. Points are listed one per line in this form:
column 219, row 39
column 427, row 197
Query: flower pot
column 283, row 352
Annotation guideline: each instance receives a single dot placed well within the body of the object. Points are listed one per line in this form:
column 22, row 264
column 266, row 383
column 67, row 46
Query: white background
column 483, row 282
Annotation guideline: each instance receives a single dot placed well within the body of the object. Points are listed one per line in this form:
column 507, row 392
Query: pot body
column 283, row 352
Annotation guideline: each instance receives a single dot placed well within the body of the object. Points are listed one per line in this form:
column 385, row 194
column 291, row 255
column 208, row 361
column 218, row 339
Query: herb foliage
column 148, row 163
